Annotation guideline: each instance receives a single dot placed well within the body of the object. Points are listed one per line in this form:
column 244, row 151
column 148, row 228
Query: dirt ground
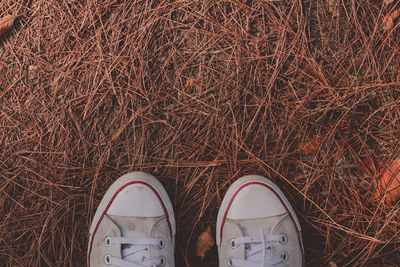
column 198, row 93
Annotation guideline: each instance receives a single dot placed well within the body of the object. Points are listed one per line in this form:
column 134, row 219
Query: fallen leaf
column 311, row 146
column 388, row 21
column 395, row 14
column 389, row 183
column 205, row 242
column 6, row 23
column 333, row 7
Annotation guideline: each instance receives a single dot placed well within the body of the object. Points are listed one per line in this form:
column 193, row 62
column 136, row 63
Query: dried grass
column 198, row 93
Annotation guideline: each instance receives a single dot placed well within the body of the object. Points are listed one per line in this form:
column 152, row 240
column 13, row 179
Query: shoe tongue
column 135, row 227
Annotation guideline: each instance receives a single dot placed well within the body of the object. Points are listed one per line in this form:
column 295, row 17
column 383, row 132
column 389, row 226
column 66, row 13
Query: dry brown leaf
column 6, row 23
column 333, row 7
column 389, row 184
column 205, row 242
column 311, row 146
column 395, row 14
column 388, row 21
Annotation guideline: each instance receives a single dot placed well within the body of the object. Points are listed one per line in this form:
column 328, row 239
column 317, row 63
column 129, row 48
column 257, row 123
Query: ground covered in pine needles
column 198, row 93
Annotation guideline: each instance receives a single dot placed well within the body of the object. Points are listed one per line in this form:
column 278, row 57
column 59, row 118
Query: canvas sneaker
column 134, row 224
column 256, row 226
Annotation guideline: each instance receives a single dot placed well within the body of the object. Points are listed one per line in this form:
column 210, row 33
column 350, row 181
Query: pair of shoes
column 134, row 225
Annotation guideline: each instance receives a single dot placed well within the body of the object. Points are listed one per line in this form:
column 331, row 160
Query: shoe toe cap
column 255, row 201
column 137, row 200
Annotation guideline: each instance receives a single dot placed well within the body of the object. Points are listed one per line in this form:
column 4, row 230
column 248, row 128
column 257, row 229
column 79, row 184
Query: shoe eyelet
column 163, row 262
column 107, row 259
column 284, row 239
column 230, row 264
column 107, row 241
column 161, row 244
column 284, row 256
column 233, row 244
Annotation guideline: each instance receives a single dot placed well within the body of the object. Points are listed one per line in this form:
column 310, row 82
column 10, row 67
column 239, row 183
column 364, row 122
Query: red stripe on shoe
column 276, row 194
column 111, row 201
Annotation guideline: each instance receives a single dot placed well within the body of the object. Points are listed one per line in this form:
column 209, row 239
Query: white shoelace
column 256, row 246
column 134, row 252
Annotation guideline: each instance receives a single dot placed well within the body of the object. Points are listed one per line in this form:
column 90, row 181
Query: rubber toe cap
column 136, row 200
column 255, row 201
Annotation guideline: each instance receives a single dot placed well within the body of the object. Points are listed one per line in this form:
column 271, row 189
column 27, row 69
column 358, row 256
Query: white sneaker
column 134, row 224
column 256, row 226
